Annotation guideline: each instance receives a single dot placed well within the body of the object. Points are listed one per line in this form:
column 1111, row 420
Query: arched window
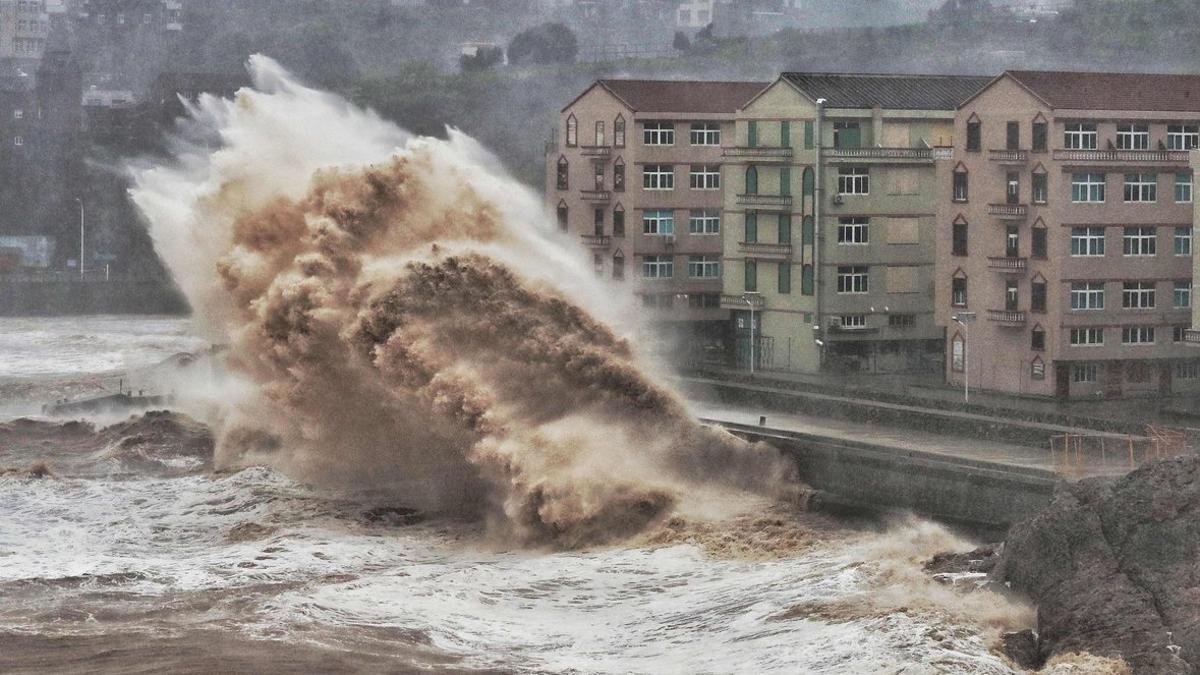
column 961, row 189
column 1037, row 338
column 619, row 175
column 618, row 221
column 806, row 280
column 563, row 173
column 959, row 231
column 619, row 131
column 618, row 266
column 562, row 216
column 600, row 140
column 1037, row 368
column 752, row 180
column 809, row 183
column 806, row 231
column 572, row 132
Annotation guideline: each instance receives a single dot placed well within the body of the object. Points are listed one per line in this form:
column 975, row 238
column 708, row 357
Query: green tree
column 544, row 44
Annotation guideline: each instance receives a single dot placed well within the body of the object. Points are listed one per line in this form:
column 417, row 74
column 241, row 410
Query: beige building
column 636, row 174
column 1065, row 235
column 24, row 27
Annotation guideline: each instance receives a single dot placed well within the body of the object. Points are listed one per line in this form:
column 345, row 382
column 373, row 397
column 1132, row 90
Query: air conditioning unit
column 838, row 199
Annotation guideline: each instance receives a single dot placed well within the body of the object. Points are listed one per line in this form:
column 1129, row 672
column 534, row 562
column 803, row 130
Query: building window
column 1080, row 136
column 598, row 221
column 618, row 267
column 854, row 181
column 1037, row 368
column 1041, row 188
column 847, row 135
column 752, row 180
column 1087, row 188
column 658, row 177
column 751, row 276
column 562, row 217
column 958, row 292
column 1183, row 241
column 1012, row 194
column 1187, row 370
column 563, row 175
column 853, row 231
column 852, row 279
column 1179, row 332
column 1133, row 137
column 1040, row 135
column 961, row 186
column 618, row 221
column 1087, row 295
column 1038, row 243
column 704, row 266
column 619, row 175
column 1183, row 294
column 18, row 114
column 658, row 133
column 806, row 280
column 1137, row 335
column 1183, row 187
column 1141, row 187
column 853, row 321
column 658, row 267
column 901, row 320
column 1011, row 295
column 1082, row 373
column 974, row 136
column 785, row 181
column 572, row 132
column 704, row 221
column 958, row 244
column 705, row 133
column 1037, row 296
column 1183, row 136
column 619, row 131
column 751, row 223
column 1087, row 241
column 600, row 136
column 1037, row 340
column 1140, row 241
column 784, row 278
column 705, row 177
column 598, row 264
column 704, row 300
column 658, row 221
column 598, row 176
column 1087, row 337
column 18, row 141
column 1012, row 136
column 1012, row 241
column 1137, row 295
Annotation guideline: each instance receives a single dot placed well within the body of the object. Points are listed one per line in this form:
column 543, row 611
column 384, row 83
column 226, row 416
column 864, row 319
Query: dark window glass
column 960, row 239
column 974, row 136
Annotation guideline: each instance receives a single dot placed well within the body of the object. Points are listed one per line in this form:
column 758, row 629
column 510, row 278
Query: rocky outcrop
column 1114, row 568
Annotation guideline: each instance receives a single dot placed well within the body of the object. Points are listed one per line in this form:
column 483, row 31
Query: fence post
column 1131, row 464
column 1103, row 455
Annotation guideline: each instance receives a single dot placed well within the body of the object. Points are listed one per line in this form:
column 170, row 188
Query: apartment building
column 636, row 174
column 1064, row 247
column 830, row 220
column 24, row 27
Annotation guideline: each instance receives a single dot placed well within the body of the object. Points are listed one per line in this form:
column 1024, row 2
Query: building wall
column 1002, row 353
column 24, row 27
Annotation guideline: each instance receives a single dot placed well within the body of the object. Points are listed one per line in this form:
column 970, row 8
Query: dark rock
column 982, row 559
column 1114, row 568
column 1021, row 648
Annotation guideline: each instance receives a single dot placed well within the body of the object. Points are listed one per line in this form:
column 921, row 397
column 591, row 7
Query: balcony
column 758, row 155
column 1006, row 317
column 597, row 151
column 596, row 240
column 1009, row 211
column 1009, row 156
column 765, row 251
column 1009, row 265
column 596, row 195
column 1192, row 336
column 883, row 155
column 740, row 302
column 1178, row 157
column 767, row 202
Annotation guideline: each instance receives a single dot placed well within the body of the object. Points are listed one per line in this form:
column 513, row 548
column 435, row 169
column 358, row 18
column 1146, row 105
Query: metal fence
column 1075, row 454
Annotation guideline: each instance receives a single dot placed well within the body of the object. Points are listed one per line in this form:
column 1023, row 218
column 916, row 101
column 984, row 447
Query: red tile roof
column 1113, row 91
column 687, row 96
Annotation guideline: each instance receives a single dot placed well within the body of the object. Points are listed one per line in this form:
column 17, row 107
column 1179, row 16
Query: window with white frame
column 1141, row 187
column 1183, row 241
column 658, row 267
column 854, row 181
column 1087, row 337
column 1084, row 373
column 853, row 231
column 705, row 177
column 1183, row 187
column 705, row 133
column 658, row 177
column 18, row 141
column 704, row 221
column 1183, row 294
column 1183, row 136
column 1133, row 137
column 1140, row 241
column 1137, row 335
column 658, row 133
column 853, row 321
column 18, row 114
column 1137, row 295
column 1080, row 136
column 1087, row 241
column 1088, row 188
column 658, row 221
column 852, row 279
column 1087, row 295
column 704, row 266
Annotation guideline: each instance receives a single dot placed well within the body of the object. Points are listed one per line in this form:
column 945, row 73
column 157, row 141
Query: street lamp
column 751, row 297
column 962, row 319
column 80, row 201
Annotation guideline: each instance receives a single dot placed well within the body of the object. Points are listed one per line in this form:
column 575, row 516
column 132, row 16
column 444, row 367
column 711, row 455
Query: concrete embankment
column 57, row 297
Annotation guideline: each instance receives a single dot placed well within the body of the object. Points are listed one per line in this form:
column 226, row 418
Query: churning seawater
column 134, row 560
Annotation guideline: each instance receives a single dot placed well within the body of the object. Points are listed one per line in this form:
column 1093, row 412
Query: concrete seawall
column 850, row 475
column 125, row 296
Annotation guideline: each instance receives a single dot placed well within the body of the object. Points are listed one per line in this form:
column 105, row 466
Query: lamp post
column 962, row 319
column 80, row 201
column 751, row 297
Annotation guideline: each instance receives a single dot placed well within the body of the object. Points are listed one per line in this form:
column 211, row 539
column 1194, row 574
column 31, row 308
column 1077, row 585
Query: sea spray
column 404, row 317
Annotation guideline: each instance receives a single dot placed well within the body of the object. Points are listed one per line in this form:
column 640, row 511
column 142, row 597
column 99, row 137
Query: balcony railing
column 740, row 302
column 765, row 251
column 1008, row 264
column 757, row 154
column 1192, row 336
column 1009, row 156
column 1006, row 317
column 595, row 150
column 596, row 240
column 918, row 154
column 596, row 195
column 1008, row 210
column 766, row 201
column 1162, row 156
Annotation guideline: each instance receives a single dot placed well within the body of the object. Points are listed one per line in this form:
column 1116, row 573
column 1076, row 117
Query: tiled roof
column 1113, row 91
column 897, row 92
column 686, row 96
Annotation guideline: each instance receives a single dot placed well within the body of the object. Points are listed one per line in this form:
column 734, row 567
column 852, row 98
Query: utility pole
column 751, row 297
column 962, row 319
column 80, row 201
